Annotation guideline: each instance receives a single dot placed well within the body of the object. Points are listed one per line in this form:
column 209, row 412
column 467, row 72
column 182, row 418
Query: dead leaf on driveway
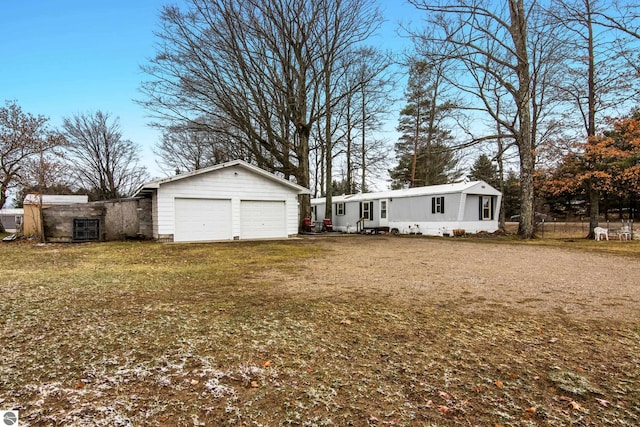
column 444, row 409
column 577, row 407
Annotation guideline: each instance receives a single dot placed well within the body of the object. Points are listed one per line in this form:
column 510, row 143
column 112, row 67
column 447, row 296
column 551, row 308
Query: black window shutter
column 433, row 205
column 360, row 216
column 442, row 204
column 370, row 211
column 480, row 213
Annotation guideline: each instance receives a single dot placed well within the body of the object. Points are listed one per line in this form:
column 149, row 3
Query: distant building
column 34, row 203
column 12, row 219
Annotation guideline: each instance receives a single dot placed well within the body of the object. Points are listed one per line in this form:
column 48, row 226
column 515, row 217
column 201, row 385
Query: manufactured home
column 434, row 210
column 11, row 219
column 229, row 201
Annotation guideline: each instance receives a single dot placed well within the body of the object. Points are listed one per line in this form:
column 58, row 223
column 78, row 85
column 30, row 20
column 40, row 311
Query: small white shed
column 229, row 201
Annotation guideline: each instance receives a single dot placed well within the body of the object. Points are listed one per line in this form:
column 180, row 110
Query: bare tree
column 23, row 137
column 342, row 31
column 100, row 159
column 46, row 172
column 623, row 16
column 259, row 67
column 365, row 85
column 600, row 75
column 492, row 48
column 188, row 147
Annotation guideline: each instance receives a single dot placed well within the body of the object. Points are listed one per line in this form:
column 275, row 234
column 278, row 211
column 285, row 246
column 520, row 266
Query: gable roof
column 471, row 187
column 149, row 186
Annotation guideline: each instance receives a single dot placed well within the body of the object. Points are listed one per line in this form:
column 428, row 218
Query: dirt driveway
column 473, row 276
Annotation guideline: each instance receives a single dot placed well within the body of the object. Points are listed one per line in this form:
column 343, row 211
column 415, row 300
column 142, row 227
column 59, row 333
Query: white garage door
column 202, row 219
column 262, row 219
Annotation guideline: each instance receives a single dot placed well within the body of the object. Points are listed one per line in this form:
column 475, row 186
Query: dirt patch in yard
column 470, row 276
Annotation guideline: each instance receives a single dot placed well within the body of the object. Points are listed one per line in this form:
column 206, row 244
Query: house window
column 383, row 209
column 366, row 210
column 486, row 208
column 437, row 205
column 340, row 208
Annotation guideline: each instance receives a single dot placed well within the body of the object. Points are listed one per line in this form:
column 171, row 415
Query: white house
column 433, row 210
column 229, row 201
column 11, row 219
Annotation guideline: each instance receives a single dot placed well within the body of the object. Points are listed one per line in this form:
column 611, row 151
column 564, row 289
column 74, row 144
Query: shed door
column 202, row 219
column 262, row 219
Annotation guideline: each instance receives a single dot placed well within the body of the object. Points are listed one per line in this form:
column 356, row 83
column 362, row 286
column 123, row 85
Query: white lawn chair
column 600, row 232
column 625, row 233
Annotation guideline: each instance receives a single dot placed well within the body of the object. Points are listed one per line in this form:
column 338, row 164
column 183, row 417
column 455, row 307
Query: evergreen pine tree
column 484, row 170
column 422, row 151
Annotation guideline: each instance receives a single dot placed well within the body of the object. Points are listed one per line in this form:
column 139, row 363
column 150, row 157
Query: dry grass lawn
column 345, row 330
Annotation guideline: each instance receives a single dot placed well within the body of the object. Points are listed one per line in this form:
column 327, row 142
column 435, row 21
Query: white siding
column 262, row 219
column 235, row 183
column 202, row 219
column 410, row 210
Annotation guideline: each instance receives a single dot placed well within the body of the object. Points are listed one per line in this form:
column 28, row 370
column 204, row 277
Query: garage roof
column 149, row 186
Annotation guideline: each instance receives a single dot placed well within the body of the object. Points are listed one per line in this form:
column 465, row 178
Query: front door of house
column 384, row 213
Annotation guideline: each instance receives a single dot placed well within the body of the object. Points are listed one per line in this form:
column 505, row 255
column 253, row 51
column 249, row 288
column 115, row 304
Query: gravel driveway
column 472, row 276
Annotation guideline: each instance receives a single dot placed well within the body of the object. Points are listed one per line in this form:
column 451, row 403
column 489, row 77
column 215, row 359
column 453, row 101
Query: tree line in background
column 540, row 95
column 88, row 155
column 295, row 87
column 289, row 85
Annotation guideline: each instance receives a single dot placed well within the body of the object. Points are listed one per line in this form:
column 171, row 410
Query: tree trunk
column 302, row 176
column 526, row 229
column 3, row 200
column 414, row 160
column 518, row 29
column 502, row 218
column 328, row 207
column 594, row 209
column 348, row 153
column 363, row 184
column 594, row 194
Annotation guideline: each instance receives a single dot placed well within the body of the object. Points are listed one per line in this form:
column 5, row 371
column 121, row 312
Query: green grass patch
column 137, row 333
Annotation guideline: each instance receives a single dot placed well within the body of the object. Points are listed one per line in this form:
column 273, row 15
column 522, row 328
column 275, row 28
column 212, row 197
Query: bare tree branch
column 100, row 159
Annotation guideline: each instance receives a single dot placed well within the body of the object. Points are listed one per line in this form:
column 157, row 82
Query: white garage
column 230, row 201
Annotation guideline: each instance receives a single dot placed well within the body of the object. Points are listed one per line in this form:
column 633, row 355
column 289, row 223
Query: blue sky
column 64, row 57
